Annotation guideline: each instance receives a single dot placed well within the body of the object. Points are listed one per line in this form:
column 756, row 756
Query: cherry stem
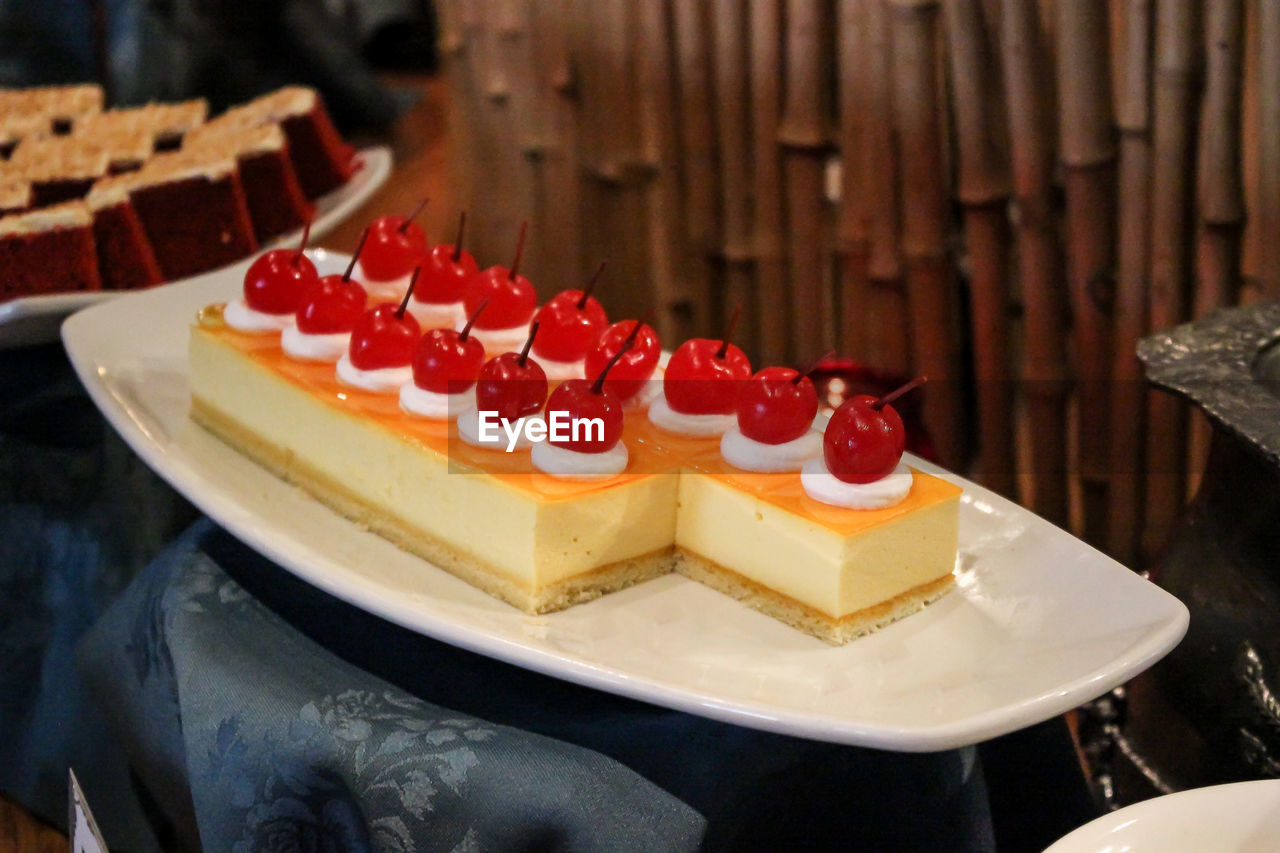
column 306, row 232
column 364, row 235
column 457, row 244
column 893, row 395
column 404, row 226
column 591, row 285
column 813, row 365
column 635, row 330
column 466, row 330
column 728, row 332
column 597, row 387
column 528, row 345
column 515, row 265
column 404, row 303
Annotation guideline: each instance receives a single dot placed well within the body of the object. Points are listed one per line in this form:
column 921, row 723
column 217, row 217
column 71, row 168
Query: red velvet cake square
column 125, row 257
column 60, row 168
column 322, row 160
column 276, row 201
column 194, row 211
column 49, row 250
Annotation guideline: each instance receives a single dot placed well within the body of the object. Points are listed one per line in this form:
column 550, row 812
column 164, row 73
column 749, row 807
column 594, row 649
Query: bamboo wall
column 1002, row 194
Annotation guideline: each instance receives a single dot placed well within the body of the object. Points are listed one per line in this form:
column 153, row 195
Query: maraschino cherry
column 385, row 336
column 865, row 438
column 446, row 271
column 330, row 309
column 512, row 384
column 570, row 321
column 511, row 298
column 335, row 302
column 778, row 404
column 587, row 399
column 276, row 282
column 396, row 245
column 448, row 361
column 704, row 376
column 634, row 369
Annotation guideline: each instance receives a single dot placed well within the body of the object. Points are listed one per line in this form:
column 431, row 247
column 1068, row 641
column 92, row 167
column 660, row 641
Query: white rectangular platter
column 1038, row 623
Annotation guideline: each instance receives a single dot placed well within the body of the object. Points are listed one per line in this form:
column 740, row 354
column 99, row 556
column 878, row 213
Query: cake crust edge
column 836, row 631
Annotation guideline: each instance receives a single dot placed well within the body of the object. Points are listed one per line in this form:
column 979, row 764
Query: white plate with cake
column 1036, row 624
column 94, row 202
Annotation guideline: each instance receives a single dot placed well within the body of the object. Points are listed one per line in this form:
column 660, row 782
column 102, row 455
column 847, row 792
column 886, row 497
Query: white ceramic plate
column 35, row 319
column 1038, row 624
column 1239, row 818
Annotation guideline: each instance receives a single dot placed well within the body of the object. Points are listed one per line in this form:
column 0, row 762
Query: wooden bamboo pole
column 729, row 37
column 524, row 106
column 675, row 288
column 1170, row 260
column 698, row 143
column 931, row 293
column 984, row 188
column 765, row 35
column 500, row 202
column 623, row 183
column 853, row 235
column 1088, row 151
column 1219, row 187
column 1268, row 145
column 888, row 327
column 1040, row 255
column 554, row 149
column 1128, row 397
column 456, row 56
column 803, row 135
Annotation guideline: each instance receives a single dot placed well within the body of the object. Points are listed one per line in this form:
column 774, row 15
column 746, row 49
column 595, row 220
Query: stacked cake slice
column 168, row 195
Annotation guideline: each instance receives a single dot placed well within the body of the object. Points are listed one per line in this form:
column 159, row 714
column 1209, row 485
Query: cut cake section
column 323, row 162
column 194, row 211
column 561, row 543
column 47, row 250
column 276, row 201
column 125, row 257
column 164, row 126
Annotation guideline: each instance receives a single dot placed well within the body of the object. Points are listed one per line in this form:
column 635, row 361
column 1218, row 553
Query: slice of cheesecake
column 834, row 573
column 538, row 543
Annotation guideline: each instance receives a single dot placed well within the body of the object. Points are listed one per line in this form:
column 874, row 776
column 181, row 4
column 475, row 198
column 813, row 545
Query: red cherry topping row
column 865, row 438
column 571, row 321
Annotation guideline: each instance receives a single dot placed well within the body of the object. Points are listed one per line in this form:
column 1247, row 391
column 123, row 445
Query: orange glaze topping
column 652, row 451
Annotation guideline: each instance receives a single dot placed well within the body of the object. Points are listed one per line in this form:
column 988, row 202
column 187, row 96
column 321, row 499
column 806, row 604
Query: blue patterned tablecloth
column 271, row 716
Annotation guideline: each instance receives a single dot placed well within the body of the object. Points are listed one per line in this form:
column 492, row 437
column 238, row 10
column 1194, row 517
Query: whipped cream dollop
column 566, row 464
column 303, row 346
column 558, row 371
column 695, row 426
column 380, row 380
column 433, row 404
column 751, row 455
column 439, row 315
column 510, row 339
column 821, row 485
column 469, row 431
column 650, row 391
column 239, row 316
column 384, row 290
